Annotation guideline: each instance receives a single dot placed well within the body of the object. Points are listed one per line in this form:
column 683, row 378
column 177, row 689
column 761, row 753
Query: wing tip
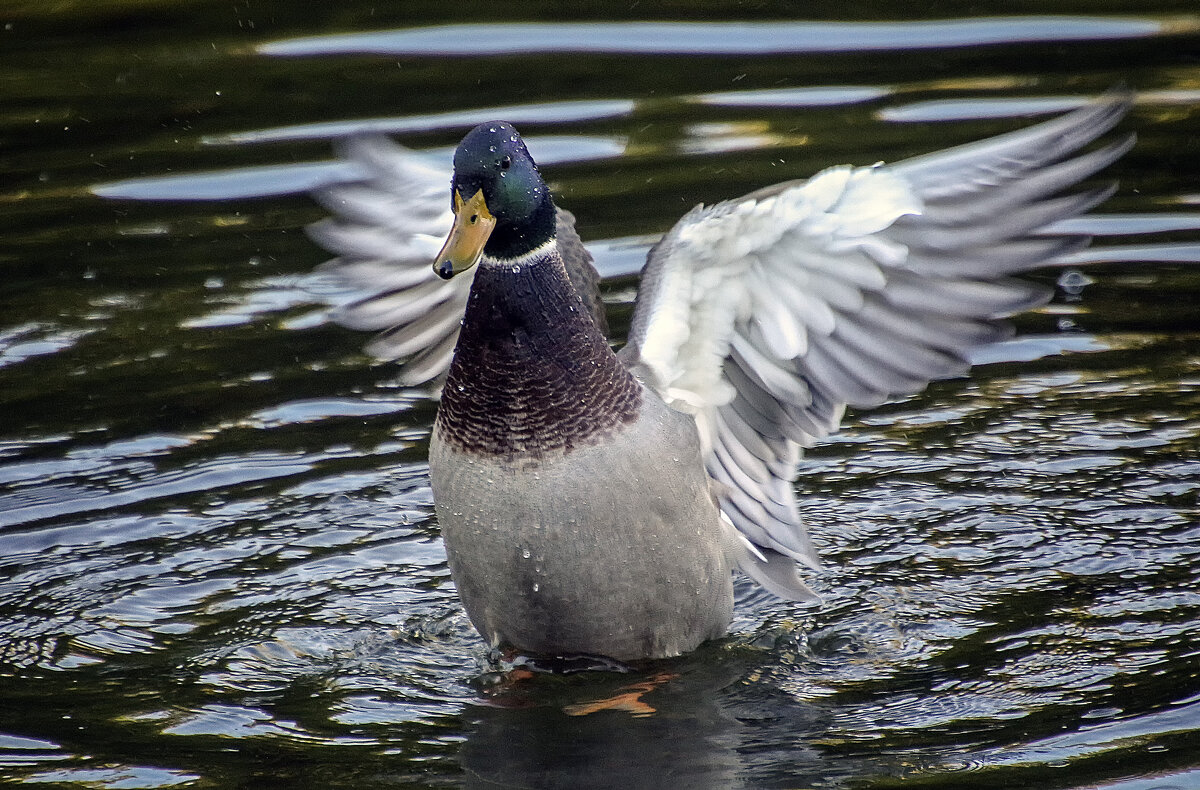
column 777, row 574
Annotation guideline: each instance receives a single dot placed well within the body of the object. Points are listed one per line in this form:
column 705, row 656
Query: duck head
column 502, row 208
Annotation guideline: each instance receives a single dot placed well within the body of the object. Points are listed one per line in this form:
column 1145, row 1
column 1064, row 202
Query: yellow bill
column 473, row 225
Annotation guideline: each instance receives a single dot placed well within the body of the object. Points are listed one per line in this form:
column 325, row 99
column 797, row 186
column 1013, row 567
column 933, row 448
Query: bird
column 595, row 502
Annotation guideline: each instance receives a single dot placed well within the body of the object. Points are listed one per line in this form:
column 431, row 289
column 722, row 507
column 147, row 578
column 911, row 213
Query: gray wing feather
column 971, row 168
column 766, row 317
column 386, row 230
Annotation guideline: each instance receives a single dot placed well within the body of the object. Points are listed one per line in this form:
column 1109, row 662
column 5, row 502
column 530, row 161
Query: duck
column 598, row 502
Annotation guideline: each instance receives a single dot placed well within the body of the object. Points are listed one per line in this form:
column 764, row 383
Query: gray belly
column 610, row 549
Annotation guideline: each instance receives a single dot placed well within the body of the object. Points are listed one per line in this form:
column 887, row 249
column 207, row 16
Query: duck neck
column 532, row 373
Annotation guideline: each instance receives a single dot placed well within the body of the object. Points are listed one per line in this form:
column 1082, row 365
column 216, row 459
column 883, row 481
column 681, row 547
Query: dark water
column 218, row 564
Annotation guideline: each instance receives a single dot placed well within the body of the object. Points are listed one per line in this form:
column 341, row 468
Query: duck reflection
column 696, row 722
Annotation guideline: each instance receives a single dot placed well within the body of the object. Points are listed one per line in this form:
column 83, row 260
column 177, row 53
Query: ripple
column 1129, row 224
column 230, row 184
column 119, row 777
column 1181, row 252
column 1111, row 735
column 978, row 108
column 1031, row 347
column 274, row 180
column 726, row 38
column 795, row 97
column 316, row 409
column 26, row 341
column 543, row 113
column 56, row 500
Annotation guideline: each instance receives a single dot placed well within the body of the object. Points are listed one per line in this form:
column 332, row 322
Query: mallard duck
column 598, row 503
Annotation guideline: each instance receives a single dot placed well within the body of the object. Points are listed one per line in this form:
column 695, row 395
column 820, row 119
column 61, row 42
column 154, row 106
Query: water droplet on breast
column 525, row 553
column 536, row 586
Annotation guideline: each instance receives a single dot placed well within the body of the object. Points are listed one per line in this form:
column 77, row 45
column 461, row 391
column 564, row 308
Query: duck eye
column 505, row 162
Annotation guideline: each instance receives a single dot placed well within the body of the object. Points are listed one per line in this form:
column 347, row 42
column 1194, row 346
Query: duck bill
column 473, row 224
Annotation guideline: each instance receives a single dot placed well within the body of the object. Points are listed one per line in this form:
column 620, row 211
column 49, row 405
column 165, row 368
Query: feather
column 856, row 286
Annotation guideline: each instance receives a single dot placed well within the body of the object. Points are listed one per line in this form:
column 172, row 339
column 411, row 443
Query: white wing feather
column 766, row 316
column 386, row 231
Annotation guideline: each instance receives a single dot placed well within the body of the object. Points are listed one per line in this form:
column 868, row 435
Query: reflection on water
column 690, row 723
column 218, row 562
column 729, row 38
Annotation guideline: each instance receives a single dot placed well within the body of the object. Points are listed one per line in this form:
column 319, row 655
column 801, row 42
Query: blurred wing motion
column 767, row 316
column 386, row 231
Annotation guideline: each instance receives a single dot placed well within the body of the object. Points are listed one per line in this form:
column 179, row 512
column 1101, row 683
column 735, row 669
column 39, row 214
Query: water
column 218, row 562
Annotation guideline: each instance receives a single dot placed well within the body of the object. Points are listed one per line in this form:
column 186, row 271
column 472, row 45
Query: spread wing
column 767, row 316
column 386, row 230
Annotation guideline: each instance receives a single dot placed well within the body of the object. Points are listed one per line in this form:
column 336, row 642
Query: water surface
column 218, row 561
